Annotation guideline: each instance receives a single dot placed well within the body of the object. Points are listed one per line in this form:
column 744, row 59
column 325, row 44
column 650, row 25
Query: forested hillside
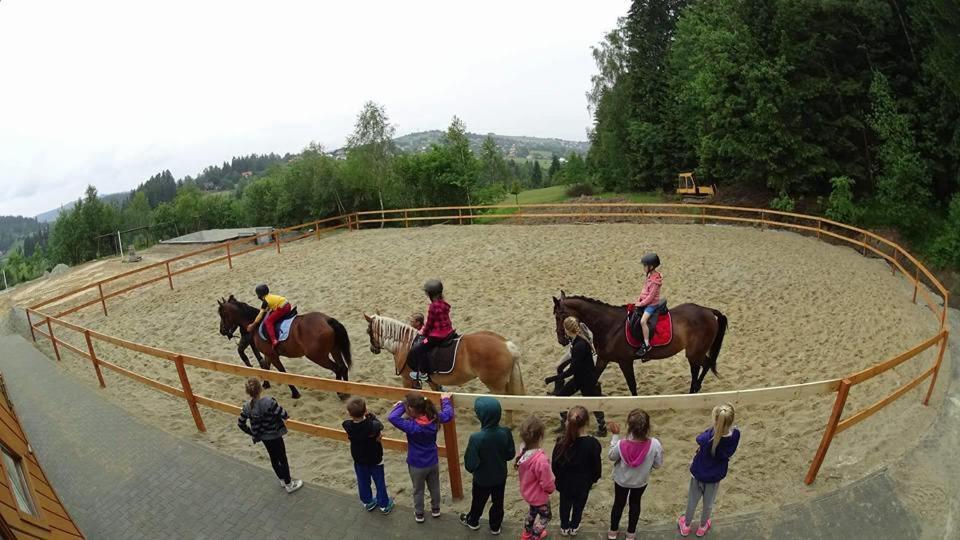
column 850, row 108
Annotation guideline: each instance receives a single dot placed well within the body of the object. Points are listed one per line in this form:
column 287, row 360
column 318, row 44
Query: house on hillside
column 246, row 174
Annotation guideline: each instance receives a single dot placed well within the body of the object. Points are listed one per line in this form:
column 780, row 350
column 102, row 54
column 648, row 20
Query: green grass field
column 558, row 194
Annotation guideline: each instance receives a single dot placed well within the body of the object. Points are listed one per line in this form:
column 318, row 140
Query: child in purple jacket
column 715, row 447
column 421, row 424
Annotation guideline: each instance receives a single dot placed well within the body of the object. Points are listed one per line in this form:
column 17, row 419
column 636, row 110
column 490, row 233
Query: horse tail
column 342, row 340
column 515, row 382
column 717, row 341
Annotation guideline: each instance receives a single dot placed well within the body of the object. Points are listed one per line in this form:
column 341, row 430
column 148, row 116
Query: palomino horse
column 697, row 330
column 319, row 337
column 481, row 355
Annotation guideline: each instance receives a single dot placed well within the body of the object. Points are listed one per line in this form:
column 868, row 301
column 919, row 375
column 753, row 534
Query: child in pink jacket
column 536, row 479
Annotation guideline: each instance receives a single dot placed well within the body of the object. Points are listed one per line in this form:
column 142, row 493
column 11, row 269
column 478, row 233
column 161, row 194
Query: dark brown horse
column 319, row 337
column 697, row 330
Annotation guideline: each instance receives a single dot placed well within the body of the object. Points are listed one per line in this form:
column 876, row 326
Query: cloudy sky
column 108, row 92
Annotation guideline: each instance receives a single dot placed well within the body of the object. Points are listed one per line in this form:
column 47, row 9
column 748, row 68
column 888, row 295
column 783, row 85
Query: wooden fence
column 925, row 284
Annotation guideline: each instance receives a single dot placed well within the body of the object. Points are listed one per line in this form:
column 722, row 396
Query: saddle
column 282, row 327
column 660, row 325
column 442, row 358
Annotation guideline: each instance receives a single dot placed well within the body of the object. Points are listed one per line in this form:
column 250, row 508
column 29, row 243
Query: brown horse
column 481, row 355
column 697, row 330
column 319, row 337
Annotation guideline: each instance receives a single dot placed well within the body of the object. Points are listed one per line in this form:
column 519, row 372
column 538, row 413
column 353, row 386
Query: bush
column 580, row 190
column 783, row 203
column 944, row 250
column 840, row 205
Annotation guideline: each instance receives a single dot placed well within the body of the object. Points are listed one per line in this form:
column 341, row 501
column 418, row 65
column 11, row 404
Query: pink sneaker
column 682, row 525
column 702, row 530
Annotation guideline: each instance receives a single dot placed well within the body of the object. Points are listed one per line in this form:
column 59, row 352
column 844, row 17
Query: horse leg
column 241, row 347
column 627, row 368
column 694, row 369
column 294, row 393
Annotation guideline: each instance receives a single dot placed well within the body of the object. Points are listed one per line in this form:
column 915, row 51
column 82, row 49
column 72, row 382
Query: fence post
column 406, row 223
column 863, row 246
column 936, row 369
column 829, row 431
column 453, row 458
column 53, row 340
column 819, row 225
column 703, row 216
column 893, row 267
column 93, row 358
column 229, row 257
column 763, row 220
column 188, row 393
column 169, row 276
column 916, row 284
column 30, row 324
column 103, row 301
column 316, row 228
column 276, row 236
column 459, row 216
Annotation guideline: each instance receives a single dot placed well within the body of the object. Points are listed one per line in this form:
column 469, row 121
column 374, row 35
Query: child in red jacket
column 536, row 479
column 649, row 298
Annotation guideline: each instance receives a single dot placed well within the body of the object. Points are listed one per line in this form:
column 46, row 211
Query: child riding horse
column 435, row 330
column 275, row 307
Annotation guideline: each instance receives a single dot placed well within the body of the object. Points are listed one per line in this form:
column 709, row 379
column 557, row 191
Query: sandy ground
column 799, row 311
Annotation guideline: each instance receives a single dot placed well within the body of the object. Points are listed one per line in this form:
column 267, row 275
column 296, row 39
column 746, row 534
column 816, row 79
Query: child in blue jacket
column 421, row 424
column 715, row 447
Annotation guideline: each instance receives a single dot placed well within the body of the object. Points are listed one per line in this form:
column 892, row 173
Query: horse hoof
column 343, row 397
column 295, row 395
column 266, row 384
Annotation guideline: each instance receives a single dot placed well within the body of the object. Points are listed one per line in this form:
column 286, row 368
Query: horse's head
column 375, row 345
column 229, row 316
column 560, row 313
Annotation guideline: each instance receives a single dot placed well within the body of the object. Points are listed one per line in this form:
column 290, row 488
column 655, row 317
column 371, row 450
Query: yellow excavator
column 690, row 190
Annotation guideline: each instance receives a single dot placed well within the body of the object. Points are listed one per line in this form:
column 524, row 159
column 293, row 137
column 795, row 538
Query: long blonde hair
column 572, row 327
column 723, row 416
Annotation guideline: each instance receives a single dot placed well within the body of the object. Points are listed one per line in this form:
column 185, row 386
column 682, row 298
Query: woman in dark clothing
column 266, row 418
column 576, row 465
column 583, row 370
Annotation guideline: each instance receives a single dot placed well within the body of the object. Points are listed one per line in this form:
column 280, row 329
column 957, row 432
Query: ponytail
column 723, row 416
column 577, row 417
column 422, row 406
column 253, row 389
column 572, row 326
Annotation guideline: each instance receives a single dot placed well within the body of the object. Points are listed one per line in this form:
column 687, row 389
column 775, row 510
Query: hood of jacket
column 488, row 411
column 634, row 452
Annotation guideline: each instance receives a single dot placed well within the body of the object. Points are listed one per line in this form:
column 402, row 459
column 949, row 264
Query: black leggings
column 572, row 504
column 620, row 496
column 417, row 356
column 278, row 458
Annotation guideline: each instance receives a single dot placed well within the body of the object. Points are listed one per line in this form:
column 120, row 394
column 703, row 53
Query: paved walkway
column 121, row 478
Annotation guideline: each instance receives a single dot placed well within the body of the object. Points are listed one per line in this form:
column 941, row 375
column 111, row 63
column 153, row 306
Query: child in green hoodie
column 486, row 458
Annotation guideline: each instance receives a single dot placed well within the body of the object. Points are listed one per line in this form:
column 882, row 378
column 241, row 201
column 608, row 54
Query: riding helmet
column 433, row 287
column 650, row 259
column 262, row 290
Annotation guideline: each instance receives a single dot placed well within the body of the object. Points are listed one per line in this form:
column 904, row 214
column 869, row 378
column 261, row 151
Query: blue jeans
column 650, row 309
column 366, row 473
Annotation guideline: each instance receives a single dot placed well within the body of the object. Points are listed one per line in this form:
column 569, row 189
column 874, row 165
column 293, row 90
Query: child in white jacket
column 634, row 457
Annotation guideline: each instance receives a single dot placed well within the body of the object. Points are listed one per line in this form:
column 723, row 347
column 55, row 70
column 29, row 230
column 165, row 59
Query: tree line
column 851, row 109
column 372, row 174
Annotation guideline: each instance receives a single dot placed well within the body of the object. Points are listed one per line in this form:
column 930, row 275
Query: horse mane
column 398, row 332
column 246, row 310
column 594, row 301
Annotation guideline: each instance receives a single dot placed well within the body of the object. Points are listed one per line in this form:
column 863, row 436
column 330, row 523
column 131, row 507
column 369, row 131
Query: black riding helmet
column 433, row 288
column 650, row 259
column 262, row 290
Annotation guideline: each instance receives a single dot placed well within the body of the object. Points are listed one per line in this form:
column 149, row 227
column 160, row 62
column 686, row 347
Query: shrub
column 580, row 190
column 840, row 205
column 783, row 203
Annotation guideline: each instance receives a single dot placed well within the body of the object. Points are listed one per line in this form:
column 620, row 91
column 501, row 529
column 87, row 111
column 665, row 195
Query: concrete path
column 121, row 478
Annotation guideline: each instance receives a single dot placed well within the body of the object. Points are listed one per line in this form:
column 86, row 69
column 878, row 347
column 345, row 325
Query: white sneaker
column 564, row 532
column 283, row 484
column 573, row 532
column 293, row 485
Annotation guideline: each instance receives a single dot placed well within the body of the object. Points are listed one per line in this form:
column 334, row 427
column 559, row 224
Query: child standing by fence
column 536, row 479
column 576, row 465
column 715, row 447
column 634, row 457
column 486, row 457
column 421, row 425
column 364, row 431
column 266, row 418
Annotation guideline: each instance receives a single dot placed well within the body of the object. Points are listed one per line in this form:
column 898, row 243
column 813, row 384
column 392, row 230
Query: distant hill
column 51, row 215
column 512, row 146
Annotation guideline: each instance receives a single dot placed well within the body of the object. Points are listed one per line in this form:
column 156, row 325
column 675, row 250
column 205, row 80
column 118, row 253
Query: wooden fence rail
column 925, row 284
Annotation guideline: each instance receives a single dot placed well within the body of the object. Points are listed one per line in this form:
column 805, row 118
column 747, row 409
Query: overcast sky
column 110, row 92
